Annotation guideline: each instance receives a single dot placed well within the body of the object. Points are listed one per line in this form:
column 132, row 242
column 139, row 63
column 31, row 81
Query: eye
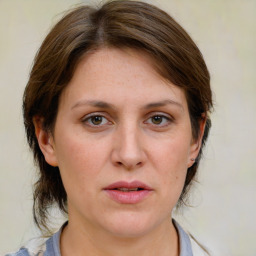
column 159, row 120
column 96, row 120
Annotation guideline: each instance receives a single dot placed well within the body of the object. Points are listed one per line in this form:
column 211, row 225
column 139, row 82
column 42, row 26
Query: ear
column 196, row 143
column 45, row 141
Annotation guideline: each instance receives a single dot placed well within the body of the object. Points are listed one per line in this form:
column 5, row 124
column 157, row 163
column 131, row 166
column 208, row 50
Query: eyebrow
column 94, row 103
column 163, row 103
column 105, row 105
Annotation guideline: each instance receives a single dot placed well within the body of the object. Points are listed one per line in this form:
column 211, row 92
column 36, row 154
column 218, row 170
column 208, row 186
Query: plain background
column 224, row 210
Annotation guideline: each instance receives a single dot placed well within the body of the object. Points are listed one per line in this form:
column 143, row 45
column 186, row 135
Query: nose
column 128, row 149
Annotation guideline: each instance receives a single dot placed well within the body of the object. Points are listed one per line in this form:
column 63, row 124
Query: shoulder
column 189, row 246
column 41, row 246
column 35, row 247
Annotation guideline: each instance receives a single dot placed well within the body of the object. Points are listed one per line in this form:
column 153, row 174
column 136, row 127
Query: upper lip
column 129, row 185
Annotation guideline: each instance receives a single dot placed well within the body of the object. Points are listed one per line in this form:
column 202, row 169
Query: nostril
column 120, row 163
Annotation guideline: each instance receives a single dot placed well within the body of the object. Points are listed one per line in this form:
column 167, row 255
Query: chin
column 130, row 225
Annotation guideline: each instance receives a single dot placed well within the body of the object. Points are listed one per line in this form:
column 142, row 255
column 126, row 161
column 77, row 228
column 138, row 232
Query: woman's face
column 123, row 143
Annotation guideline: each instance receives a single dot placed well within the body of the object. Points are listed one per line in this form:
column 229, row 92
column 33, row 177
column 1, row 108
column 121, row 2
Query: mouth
column 124, row 186
column 129, row 189
column 128, row 192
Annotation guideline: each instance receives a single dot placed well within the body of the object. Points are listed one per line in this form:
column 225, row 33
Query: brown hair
column 118, row 24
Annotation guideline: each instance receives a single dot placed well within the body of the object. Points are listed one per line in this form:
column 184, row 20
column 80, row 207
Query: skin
column 141, row 132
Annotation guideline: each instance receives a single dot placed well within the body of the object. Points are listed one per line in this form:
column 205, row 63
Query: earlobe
column 45, row 141
column 196, row 144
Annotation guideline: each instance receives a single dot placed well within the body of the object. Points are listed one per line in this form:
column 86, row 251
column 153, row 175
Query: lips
column 128, row 192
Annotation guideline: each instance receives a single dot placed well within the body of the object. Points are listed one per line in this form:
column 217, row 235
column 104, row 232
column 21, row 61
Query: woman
column 116, row 112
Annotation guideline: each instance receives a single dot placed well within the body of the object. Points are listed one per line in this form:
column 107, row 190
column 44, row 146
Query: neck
column 83, row 240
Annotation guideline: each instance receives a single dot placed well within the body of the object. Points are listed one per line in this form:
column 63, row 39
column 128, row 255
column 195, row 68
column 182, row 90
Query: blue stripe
column 53, row 245
column 185, row 244
column 21, row 252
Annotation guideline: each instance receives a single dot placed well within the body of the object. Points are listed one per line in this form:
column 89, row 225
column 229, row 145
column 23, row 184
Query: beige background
column 223, row 216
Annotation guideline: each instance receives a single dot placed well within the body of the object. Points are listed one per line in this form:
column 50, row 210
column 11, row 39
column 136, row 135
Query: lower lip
column 132, row 197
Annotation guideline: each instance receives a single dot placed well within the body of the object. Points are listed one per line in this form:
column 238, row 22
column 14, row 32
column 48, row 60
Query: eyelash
column 88, row 120
column 167, row 119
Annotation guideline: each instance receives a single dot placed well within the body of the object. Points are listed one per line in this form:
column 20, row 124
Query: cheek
column 170, row 159
column 80, row 164
column 172, row 154
column 80, row 160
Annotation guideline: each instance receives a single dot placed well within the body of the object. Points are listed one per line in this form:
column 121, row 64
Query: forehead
column 127, row 73
column 131, row 61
